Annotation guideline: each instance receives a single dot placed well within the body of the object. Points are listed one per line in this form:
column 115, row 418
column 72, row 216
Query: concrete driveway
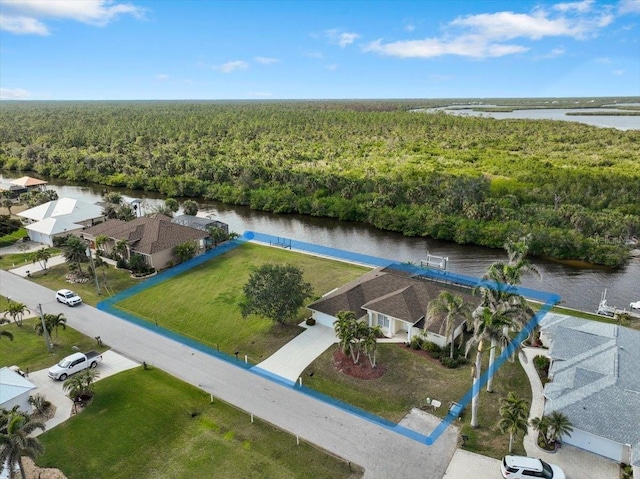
column 112, row 363
column 291, row 359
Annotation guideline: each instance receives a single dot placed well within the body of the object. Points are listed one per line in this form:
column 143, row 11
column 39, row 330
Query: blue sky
column 164, row 49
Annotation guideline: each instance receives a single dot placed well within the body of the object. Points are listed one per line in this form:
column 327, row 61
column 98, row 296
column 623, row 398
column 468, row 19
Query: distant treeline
column 575, row 189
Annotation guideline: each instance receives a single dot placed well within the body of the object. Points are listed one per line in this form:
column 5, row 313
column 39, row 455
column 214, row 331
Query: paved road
column 382, row 452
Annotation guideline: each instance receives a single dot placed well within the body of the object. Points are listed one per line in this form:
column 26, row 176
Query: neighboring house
column 13, row 190
column 152, row 237
column 595, row 372
column 200, row 223
column 60, row 218
column 14, row 390
column 30, row 183
column 393, row 300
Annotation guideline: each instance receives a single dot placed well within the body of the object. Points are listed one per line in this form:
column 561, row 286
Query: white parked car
column 635, row 305
column 68, row 297
column 522, row 467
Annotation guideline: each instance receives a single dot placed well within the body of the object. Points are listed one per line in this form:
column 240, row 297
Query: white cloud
column 331, row 67
column 266, row 60
column 162, row 76
column 468, row 46
column 618, row 72
column 582, row 7
column 28, row 16
column 14, row 94
column 341, row 38
column 503, row 33
column 555, row 53
column 629, row 6
column 232, row 66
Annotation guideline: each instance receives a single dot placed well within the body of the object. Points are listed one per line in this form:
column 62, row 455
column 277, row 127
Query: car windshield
column 547, row 472
column 70, row 294
column 64, row 363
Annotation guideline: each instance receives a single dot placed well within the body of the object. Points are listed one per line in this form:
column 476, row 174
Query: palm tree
column 100, row 241
column 345, row 329
column 16, row 311
column 513, row 414
column 75, row 251
column 51, row 322
column 559, row 425
column 453, row 307
column 541, row 424
column 370, row 343
column 120, row 248
column 17, row 441
column 81, row 385
column 41, row 256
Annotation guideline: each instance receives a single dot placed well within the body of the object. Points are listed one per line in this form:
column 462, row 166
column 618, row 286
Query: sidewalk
column 28, row 268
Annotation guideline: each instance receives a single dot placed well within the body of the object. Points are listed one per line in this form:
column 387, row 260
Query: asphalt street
column 380, row 451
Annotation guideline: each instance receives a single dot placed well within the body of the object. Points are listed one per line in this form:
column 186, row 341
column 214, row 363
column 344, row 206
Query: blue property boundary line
column 548, row 300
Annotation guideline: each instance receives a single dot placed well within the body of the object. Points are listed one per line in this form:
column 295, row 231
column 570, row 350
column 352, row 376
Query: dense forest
column 573, row 188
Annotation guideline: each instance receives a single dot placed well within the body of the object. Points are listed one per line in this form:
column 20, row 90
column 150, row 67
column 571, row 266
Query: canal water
column 579, row 287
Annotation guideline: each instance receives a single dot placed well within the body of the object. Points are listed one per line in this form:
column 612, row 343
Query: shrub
column 541, row 364
column 431, row 347
column 451, row 363
column 310, row 322
column 416, row 342
column 40, row 403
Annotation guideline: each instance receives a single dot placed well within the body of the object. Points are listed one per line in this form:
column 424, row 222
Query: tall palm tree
column 17, row 441
column 16, row 311
column 453, row 307
column 75, row 251
column 513, row 416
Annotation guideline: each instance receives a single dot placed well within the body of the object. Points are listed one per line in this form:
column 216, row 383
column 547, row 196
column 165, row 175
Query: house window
column 383, row 321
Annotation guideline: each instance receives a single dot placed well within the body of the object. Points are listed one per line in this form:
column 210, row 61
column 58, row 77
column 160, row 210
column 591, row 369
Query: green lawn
column 410, row 379
column 13, row 260
column 203, row 302
column 29, row 351
column 8, row 240
column 116, row 280
column 144, row 424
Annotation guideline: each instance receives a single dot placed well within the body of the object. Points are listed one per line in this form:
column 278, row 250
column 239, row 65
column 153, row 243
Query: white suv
column 68, row 297
column 521, row 467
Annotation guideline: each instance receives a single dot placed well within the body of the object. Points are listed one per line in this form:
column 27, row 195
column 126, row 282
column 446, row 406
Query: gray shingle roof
column 596, row 376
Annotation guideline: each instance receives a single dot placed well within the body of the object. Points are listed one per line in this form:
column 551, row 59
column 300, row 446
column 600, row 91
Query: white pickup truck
column 74, row 363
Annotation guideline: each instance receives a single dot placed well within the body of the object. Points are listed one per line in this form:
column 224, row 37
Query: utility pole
column 44, row 329
column 93, row 268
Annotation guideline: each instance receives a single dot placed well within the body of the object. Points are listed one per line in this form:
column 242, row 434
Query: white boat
column 635, row 305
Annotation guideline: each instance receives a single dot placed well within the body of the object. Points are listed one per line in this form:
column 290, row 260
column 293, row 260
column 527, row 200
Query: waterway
column 579, row 287
column 619, row 122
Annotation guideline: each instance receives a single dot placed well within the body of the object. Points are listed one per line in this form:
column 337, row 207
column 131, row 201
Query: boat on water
column 611, row 311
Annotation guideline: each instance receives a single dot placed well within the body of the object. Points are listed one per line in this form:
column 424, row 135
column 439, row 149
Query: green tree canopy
column 276, row 292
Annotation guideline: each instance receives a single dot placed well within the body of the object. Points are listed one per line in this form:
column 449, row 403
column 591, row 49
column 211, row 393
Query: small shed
column 15, row 390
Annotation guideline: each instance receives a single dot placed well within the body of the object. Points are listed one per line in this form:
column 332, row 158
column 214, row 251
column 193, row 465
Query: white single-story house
column 60, row 218
column 155, row 238
column 393, row 300
column 595, row 372
column 14, row 390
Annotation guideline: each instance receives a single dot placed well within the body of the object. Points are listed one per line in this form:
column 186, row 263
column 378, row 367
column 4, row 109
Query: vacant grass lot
column 29, row 351
column 203, row 302
column 148, row 425
column 13, row 260
column 410, row 379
